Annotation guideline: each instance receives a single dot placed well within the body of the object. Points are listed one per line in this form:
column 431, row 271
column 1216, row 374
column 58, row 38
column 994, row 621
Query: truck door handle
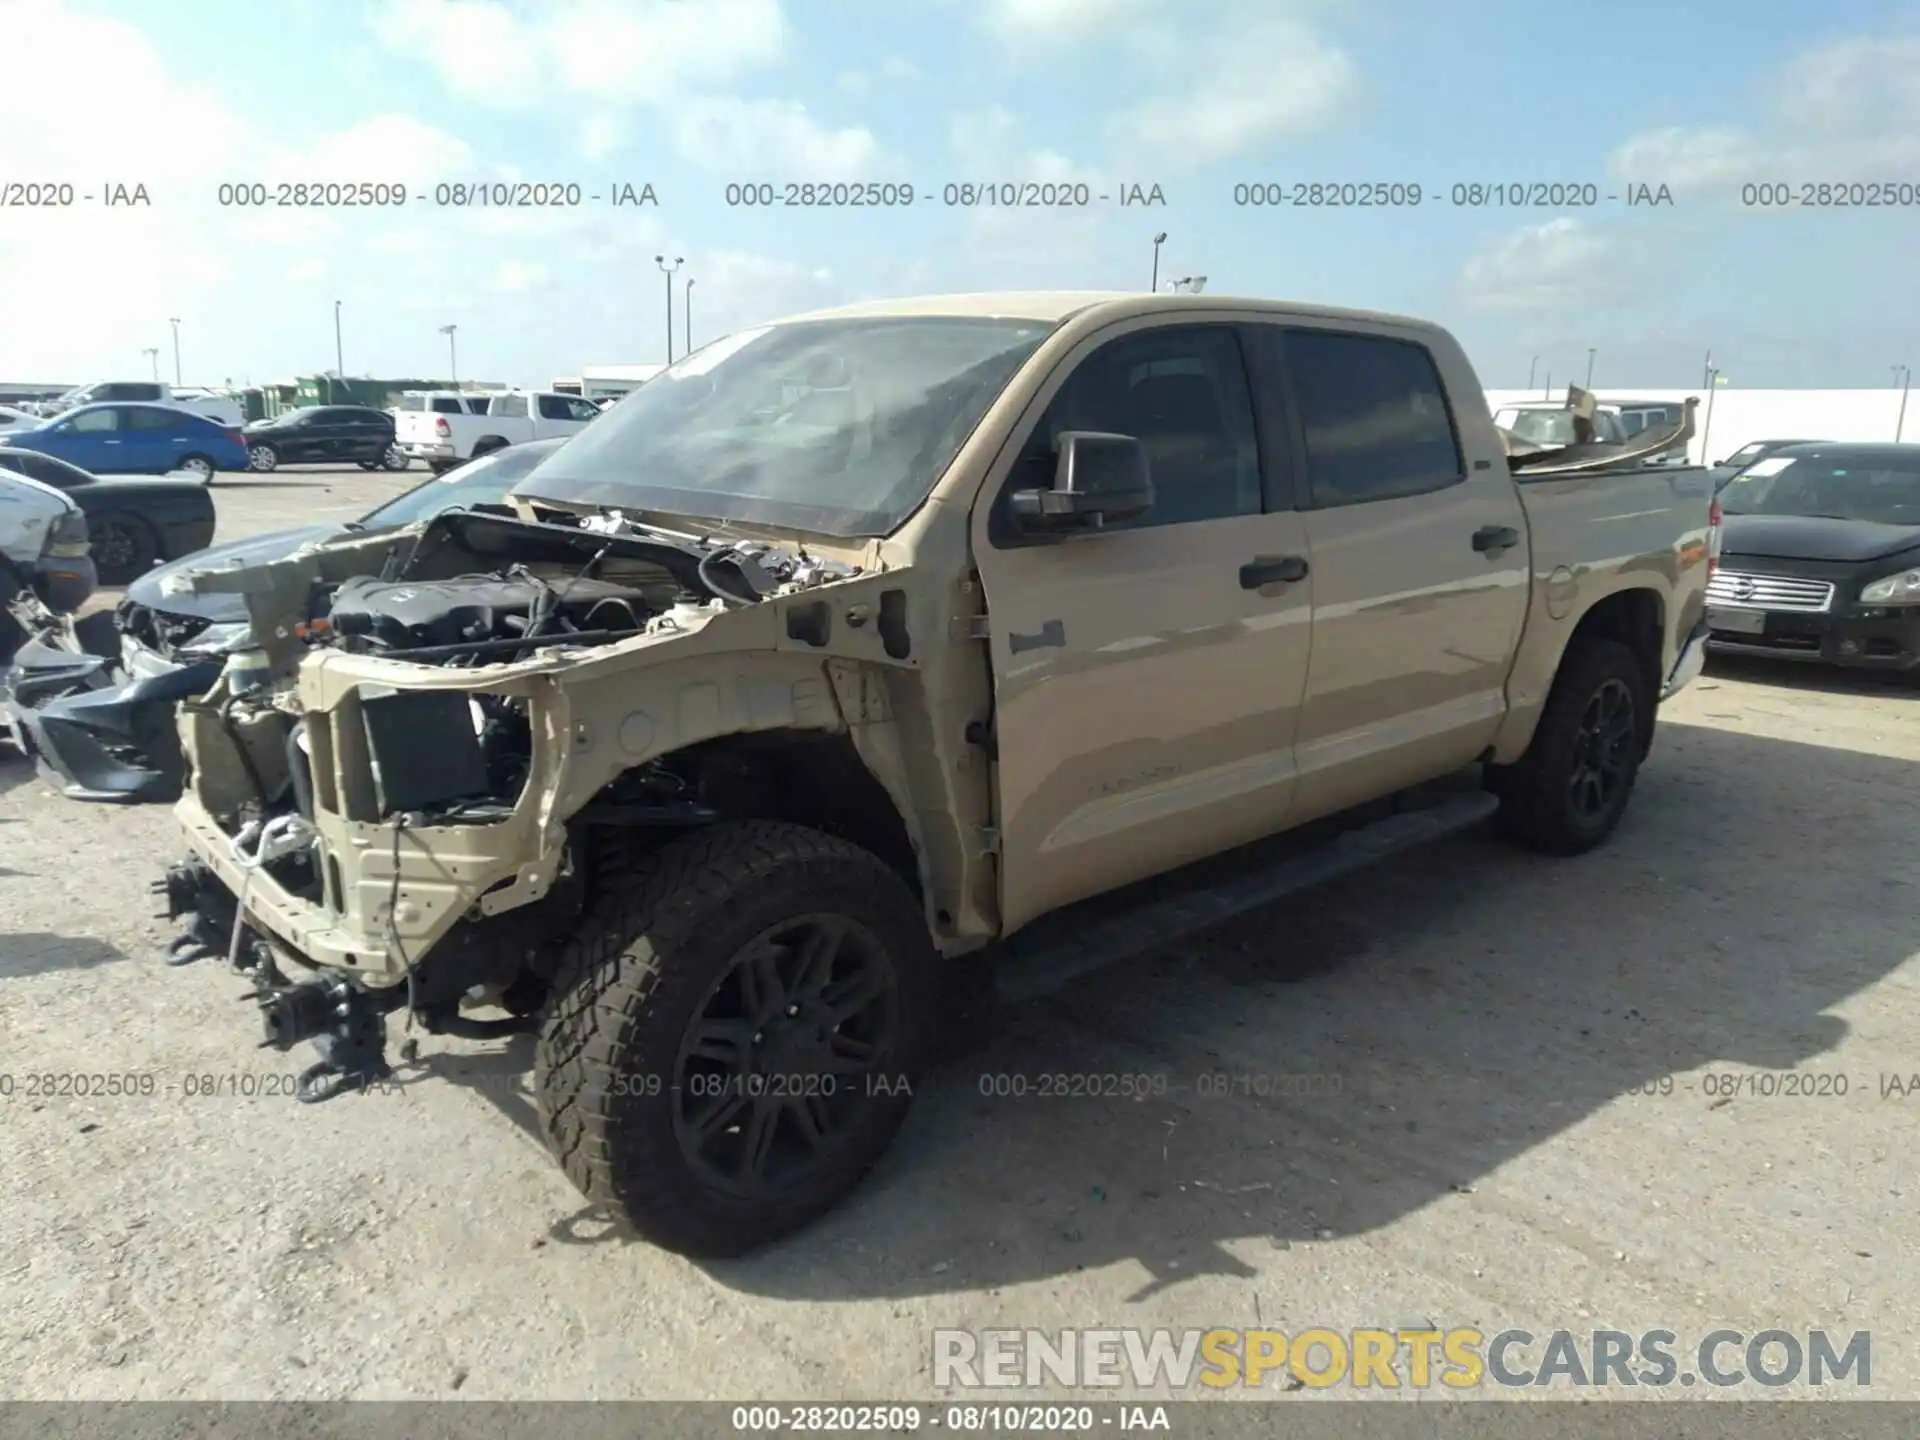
column 1272, row 570
column 1495, row 538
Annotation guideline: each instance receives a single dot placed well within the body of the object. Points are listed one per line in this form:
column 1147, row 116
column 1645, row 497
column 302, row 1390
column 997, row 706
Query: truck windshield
column 838, row 427
column 1879, row 492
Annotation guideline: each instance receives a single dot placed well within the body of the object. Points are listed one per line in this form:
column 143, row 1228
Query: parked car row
column 78, row 715
column 133, row 522
column 134, row 439
column 221, row 409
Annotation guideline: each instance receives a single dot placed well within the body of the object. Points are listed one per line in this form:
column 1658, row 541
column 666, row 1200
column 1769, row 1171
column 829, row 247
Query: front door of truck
column 1420, row 568
column 1147, row 679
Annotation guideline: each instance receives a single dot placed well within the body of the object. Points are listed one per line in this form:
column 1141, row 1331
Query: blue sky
column 1196, row 97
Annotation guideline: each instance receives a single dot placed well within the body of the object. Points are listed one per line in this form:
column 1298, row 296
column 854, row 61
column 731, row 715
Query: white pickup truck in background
column 217, row 408
column 443, row 432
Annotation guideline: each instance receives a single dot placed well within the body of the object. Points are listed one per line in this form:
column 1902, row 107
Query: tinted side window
column 1183, row 393
column 143, row 419
column 413, row 402
column 1374, row 415
column 50, row 471
column 512, row 406
column 96, row 422
column 555, row 407
column 446, row 405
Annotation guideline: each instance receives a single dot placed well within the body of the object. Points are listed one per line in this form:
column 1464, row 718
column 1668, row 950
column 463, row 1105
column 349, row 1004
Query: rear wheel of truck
column 736, row 1034
column 1568, row 792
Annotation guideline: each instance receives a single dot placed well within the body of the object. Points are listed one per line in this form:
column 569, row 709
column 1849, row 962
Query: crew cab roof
column 1057, row 305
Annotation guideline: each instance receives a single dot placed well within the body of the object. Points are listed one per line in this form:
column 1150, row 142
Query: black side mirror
column 1098, row 478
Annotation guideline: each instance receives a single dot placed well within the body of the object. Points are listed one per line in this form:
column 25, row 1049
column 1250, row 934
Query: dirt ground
column 1473, row 1087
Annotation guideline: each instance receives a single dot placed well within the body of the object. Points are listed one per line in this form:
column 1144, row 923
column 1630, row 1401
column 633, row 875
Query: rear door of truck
column 1419, row 550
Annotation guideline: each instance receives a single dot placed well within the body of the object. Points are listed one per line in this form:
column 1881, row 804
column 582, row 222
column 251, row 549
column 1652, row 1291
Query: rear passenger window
column 446, row 405
column 1182, row 392
column 1374, row 416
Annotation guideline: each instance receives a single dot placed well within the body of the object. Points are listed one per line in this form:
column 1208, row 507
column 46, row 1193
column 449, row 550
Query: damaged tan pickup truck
column 900, row 641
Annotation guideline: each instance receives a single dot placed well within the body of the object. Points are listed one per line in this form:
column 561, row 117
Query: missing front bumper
column 94, row 735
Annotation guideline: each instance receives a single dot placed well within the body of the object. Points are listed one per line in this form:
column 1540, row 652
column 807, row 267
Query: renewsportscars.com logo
column 1457, row 1359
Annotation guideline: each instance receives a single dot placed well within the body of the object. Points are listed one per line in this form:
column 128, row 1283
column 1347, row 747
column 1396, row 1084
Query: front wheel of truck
column 736, row 1034
column 1568, row 792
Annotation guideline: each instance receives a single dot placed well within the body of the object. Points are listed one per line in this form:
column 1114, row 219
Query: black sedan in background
column 324, row 435
column 102, row 731
column 1820, row 558
column 134, row 522
column 1748, row 454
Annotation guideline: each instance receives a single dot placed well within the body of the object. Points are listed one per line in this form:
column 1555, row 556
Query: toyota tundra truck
column 892, row 644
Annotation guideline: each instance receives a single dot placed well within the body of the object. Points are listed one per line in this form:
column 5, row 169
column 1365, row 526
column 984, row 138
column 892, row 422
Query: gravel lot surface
column 1481, row 1089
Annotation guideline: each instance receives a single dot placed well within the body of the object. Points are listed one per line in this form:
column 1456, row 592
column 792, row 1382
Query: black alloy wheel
column 773, row 1070
column 1603, row 752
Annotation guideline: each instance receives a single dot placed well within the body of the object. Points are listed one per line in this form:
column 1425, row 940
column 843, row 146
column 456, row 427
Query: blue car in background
column 130, row 439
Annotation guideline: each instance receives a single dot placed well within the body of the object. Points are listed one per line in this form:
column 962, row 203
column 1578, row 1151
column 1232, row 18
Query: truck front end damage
column 399, row 801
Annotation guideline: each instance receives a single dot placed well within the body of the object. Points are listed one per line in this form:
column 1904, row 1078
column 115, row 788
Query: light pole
column 1706, row 426
column 1546, row 390
column 1158, row 241
column 687, row 329
column 152, row 352
column 1532, row 371
column 453, row 358
column 1905, row 372
column 1590, row 355
column 1706, row 373
column 339, row 365
column 174, row 321
column 667, row 270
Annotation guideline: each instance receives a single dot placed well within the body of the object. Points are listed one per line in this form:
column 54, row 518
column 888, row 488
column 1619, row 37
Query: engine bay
column 469, row 589
column 402, row 615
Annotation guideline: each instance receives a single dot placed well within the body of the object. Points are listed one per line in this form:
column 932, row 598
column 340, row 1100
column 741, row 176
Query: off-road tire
column 657, row 936
column 1536, row 808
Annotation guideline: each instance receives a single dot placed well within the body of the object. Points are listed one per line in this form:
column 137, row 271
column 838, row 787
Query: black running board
column 1050, row 955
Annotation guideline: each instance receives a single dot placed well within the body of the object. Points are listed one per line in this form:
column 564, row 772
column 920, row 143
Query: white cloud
column 477, row 46
column 736, row 288
column 991, row 147
column 1199, row 86
column 649, row 52
column 1542, row 270
column 773, row 140
column 1849, row 111
column 1250, row 86
column 1024, row 23
column 516, row 276
column 600, row 136
column 85, row 290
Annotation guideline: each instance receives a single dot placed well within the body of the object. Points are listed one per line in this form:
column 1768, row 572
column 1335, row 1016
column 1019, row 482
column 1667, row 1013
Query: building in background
column 265, row 401
column 606, row 382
